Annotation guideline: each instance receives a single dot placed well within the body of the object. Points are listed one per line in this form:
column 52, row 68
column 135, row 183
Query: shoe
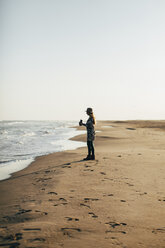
column 88, row 157
column 93, row 157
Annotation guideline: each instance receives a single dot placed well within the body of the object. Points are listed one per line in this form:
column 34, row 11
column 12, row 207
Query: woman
column 90, row 134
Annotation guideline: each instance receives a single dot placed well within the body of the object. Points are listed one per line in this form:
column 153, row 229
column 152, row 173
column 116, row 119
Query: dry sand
column 118, row 200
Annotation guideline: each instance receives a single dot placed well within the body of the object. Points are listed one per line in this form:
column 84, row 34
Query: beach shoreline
column 116, row 200
column 16, row 153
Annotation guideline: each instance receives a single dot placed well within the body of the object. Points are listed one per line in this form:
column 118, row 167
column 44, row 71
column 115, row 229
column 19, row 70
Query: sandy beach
column 118, row 200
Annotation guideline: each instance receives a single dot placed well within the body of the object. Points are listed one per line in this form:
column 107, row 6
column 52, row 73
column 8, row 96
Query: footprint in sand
column 15, row 216
column 90, row 199
column 108, row 195
column 130, row 128
column 16, row 236
column 47, row 171
column 52, row 193
column 42, row 179
column 71, row 219
column 115, row 224
column 159, row 230
column 38, row 211
column 37, row 239
column 32, row 229
column 63, row 201
column 93, row 215
column 88, row 170
column 23, row 215
column 110, row 231
column 145, row 193
column 70, row 231
column 66, row 165
column 103, row 173
column 129, row 184
column 22, row 211
column 82, row 204
column 10, row 245
column 162, row 199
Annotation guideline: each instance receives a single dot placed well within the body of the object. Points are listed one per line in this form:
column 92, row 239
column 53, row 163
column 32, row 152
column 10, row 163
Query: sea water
column 22, row 141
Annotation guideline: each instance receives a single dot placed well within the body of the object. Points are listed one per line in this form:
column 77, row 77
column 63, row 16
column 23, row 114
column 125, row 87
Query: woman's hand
column 80, row 123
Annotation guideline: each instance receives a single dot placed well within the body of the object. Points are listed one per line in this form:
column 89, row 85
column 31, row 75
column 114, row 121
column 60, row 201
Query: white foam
column 63, row 145
column 21, row 142
column 15, row 123
column 4, row 132
column 7, row 169
column 107, row 126
column 29, row 134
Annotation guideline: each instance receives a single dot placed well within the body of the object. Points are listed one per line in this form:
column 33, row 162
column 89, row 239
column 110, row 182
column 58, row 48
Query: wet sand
column 118, row 200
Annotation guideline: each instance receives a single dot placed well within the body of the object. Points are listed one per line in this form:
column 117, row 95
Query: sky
column 58, row 57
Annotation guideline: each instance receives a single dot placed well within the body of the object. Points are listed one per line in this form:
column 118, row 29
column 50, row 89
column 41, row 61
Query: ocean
column 22, row 141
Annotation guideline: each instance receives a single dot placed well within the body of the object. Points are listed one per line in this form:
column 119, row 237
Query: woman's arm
column 81, row 123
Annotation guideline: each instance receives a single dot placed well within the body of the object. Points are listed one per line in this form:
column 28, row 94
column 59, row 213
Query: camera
column 80, row 123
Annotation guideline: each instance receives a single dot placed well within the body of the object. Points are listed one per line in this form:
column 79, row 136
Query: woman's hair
column 90, row 112
column 94, row 120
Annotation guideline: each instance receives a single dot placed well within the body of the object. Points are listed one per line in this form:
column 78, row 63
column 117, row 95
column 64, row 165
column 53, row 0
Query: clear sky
column 58, row 57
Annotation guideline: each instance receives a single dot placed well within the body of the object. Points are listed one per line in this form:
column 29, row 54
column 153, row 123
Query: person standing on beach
column 90, row 133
